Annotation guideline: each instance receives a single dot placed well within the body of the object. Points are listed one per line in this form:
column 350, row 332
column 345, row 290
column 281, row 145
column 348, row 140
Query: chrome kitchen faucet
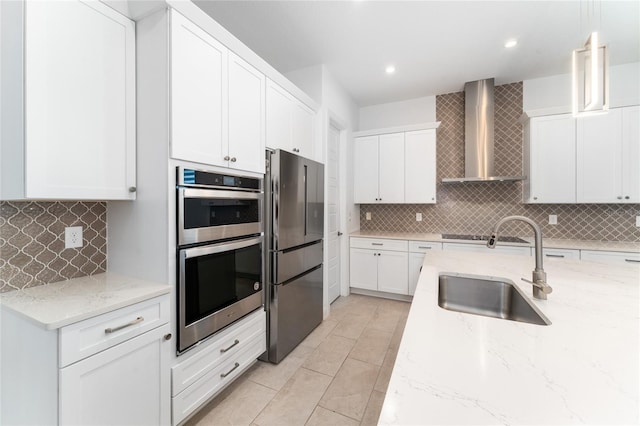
column 539, row 281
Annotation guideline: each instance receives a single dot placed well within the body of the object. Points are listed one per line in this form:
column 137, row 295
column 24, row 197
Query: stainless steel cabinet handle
column 120, row 327
column 132, row 189
column 377, row 244
column 423, row 247
column 339, row 233
column 233, row 159
column 535, row 198
column 223, row 375
column 626, row 197
column 235, row 342
column 554, row 255
column 167, row 336
column 227, row 158
column 619, row 197
column 632, row 261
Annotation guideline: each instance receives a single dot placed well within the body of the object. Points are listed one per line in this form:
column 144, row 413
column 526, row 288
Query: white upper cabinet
column 379, row 169
column 68, row 101
column 217, row 102
column 631, row 154
column 198, row 94
column 420, row 167
column 551, row 174
column 246, row 116
column 290, row 123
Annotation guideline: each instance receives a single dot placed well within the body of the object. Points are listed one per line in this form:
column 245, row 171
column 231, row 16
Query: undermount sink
column 491, row 297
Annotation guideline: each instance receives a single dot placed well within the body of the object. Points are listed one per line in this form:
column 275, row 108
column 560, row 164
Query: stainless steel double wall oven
column 220, row 251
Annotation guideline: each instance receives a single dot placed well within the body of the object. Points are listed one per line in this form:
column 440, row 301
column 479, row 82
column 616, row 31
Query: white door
column 393, row 272
column 302, row 131
column 365, row 179
column 364, row 268
column 420, row 167
column 279, row 117
column 415, row 266
column 391, row 168
column 631, row 154
column 333, row 208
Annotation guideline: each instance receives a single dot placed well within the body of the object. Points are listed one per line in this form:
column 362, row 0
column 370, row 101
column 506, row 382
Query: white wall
column 412, row 111
column 553, row 94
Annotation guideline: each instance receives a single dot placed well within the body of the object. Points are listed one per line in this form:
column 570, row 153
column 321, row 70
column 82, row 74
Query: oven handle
column 217, row 193
column 220, row 247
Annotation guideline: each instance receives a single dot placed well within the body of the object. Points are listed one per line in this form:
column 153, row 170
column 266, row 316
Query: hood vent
column 479, row 106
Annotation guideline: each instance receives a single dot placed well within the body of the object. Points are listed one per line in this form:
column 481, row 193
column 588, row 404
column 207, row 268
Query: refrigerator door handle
column 305, row 199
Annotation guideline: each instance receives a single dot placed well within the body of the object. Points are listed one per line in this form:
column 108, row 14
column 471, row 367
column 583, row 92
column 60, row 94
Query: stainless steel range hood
column 479, row 109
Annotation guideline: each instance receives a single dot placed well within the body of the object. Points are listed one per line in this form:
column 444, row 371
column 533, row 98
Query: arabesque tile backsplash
column 32, row 242
column 474, row 208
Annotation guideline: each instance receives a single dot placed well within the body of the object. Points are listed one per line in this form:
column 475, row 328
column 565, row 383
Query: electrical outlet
column 73, row 236
column 553, row 219
column 638, row 221
column 418, row 217
column 367, row 215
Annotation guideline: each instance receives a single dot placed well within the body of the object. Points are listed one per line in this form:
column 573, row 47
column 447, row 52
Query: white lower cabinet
column 610, row 257
column 109, row 369
column 553, row 253
column 210, row 367
column 417, row 250
column 379, row 265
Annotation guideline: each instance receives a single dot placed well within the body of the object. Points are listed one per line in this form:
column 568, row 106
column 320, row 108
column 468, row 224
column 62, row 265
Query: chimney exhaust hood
column 479, row 106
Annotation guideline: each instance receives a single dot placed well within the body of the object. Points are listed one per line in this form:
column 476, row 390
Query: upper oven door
column 208, row 215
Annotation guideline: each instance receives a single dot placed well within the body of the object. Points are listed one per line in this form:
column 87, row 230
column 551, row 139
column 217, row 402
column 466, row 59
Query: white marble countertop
column 456, row 368
column 624, row 246
column 66, row 302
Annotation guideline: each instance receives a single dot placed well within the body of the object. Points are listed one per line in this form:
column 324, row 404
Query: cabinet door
column 127, row 384
column 364, row 269
column 246, row 116
column 79, row 101
column 198, row 94
column 393, row 272
column 631, row 154
column 552, row 159
column 365, row 179
column 599, row 167
column 415, row 266
column 279, row 117
column 610, row 257
column 391, row 168
column 420, row 167
column 303, row 130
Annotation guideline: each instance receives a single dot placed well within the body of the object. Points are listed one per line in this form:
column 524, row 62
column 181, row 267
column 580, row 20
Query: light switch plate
column 73, row 236
column 418, row 217
column 638, row 221
column 553, row 219
column 367, row 215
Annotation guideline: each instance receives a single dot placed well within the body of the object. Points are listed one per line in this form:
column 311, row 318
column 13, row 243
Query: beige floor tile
column 371, row 346
column 297, row 399
column 240, row 407
column 323, row 417
column 385, row 372
column 397, row 335
column 349, row 392
column 385, row 320
column 274, row 376
column 318, row 335
column 374, row 407
column 351, row 325
column 329, row 355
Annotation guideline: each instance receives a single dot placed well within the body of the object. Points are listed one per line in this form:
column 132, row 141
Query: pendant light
column 590, row 77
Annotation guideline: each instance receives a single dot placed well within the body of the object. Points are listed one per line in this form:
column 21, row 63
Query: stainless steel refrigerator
column 294, row 192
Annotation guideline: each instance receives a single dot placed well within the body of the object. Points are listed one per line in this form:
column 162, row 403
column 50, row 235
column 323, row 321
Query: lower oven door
column 218, row 284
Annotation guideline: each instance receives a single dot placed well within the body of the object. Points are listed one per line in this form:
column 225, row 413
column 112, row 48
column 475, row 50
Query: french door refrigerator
column 294, row 190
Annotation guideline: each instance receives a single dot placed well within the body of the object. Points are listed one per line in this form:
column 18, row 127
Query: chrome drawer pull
column 234, row 343
column 223, row 375
column 632, row 261
column 554, row 255
column 423, row 247
column 120, row 327
column 377, row 244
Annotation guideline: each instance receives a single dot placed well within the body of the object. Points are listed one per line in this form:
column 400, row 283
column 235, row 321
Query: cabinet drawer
column 552, row 253
column 215, row 380
column 379, row 244
column 611, row 257
column 481, row 248
column 85, row 338
column 423, row 246
column 220, row 348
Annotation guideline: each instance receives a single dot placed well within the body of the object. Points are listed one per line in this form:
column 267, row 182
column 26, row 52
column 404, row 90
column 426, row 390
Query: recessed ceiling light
column 510, row 43
column 390, row 69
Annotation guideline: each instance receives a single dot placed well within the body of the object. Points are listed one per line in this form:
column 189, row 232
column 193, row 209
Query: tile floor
column 337, row 376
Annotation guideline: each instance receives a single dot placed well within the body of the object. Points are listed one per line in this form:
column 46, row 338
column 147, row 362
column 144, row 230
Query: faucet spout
column 539, row 281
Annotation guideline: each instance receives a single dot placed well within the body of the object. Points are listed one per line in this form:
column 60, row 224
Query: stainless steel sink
column 491, row 297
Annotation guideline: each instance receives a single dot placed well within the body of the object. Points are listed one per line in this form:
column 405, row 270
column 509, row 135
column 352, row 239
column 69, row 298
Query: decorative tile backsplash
column 32, row 242
column 474, row 208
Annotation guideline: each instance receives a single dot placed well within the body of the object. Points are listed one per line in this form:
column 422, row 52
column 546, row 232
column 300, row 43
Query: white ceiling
column 435, row 45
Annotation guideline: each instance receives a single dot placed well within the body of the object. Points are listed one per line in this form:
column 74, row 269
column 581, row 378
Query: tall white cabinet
column 68, row 101
column 420, row 167
column 217, row 102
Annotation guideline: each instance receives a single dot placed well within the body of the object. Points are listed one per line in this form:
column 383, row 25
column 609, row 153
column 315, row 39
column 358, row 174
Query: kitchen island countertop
column 457, row 368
